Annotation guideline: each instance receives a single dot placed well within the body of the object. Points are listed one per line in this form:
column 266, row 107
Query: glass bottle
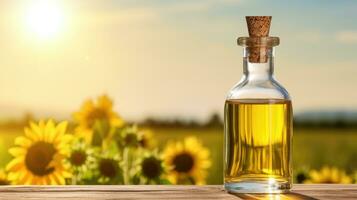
column 258, row 125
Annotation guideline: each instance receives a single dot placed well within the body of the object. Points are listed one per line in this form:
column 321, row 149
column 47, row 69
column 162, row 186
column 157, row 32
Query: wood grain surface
column 326, row 191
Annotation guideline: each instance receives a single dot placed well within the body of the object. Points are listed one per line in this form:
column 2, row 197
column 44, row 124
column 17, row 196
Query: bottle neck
column 258, row 71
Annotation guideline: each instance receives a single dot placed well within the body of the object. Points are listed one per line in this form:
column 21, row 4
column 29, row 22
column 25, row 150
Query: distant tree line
column 214, row 121
column 17, row 123
column 338, row 123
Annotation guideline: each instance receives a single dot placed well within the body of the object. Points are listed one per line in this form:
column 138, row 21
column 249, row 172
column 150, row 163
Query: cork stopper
column 258, row 27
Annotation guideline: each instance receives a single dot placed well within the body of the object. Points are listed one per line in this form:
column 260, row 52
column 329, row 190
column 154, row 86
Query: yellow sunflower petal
column 22, row 141
column 12, row 176
column 56, row 179
column 61, row 127
column 17, row 151
column 65, row 174
column 60, row 131
column 23, row 178
column 42, row 126
column 105, row 102
column 47, row 180
column 87, row 105
column 35, row 180
column 49, row 129
column 52, row 180
column 59, row 178
column 31, row 135
column 15, row 164
column 117, row 122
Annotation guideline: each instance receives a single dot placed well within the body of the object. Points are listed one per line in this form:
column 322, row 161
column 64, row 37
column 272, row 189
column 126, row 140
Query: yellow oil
column 258, row 139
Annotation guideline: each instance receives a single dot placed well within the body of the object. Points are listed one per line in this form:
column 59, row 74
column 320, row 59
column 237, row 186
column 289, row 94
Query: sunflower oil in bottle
column 258, row 122
column 259, row 140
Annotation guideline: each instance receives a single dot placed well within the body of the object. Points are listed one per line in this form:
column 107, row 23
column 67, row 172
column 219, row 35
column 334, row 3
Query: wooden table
column 168, row 192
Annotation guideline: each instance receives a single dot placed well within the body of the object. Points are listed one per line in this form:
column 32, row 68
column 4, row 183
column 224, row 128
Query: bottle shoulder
column 263, row 89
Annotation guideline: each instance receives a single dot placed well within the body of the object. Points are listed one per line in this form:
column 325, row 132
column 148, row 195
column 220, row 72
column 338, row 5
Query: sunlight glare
column 45, row 18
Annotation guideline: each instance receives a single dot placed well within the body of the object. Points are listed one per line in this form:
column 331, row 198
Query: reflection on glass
column 287, row 196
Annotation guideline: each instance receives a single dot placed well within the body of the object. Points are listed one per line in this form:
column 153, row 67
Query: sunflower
column 152, row 167
column 128, row 137
column 146, row 139
column 301, row 175
column 328, row 175
column 38, row 156
column 4, row 180
column 93, row 111
column 81, row 159
column 109, row 171
column 188, row 161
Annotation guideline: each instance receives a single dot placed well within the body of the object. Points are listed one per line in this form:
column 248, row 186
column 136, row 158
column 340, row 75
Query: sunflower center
column 4, row 182
column 143, row 142
column 183, row 162
column 301, row 178
column 151, row 167
column 96, row 114
column 330, row 181
column 78, row 158
column 108, row 167
column 38, row 157
column 131, row 139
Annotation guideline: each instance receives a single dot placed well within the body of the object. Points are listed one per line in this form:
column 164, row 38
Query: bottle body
column 258, row 132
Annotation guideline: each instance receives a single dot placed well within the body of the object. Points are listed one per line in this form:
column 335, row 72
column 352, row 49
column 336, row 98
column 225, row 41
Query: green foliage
column 312, row 148
column 336, row 147
column 118, row 157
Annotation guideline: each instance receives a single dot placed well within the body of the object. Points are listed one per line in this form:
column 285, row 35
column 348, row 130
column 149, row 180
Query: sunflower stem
column 126, row 167
column 75, row 177
column 74, row 180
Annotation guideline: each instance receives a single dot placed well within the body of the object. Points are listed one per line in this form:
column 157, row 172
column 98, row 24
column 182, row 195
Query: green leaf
column 136, row 179
column 97, row 138
column 165, row 182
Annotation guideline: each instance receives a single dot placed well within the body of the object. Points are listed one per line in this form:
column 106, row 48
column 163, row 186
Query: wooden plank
column 326, row 191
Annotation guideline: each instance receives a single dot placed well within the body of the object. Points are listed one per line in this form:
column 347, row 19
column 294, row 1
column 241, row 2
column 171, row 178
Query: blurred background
column 168, row 65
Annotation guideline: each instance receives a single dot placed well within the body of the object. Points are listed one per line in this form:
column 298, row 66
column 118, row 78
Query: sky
column 167, row 58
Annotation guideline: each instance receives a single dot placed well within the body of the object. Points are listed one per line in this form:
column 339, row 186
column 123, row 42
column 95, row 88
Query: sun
column 44, row 18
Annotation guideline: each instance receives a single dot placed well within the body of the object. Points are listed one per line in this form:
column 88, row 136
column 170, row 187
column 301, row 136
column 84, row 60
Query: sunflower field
column 101, row 148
